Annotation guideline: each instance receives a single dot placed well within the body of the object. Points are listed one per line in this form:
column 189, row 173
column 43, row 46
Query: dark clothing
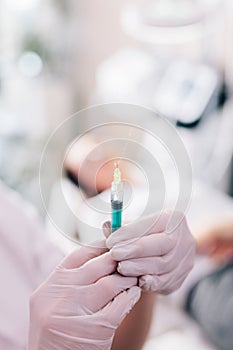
column 210, row 303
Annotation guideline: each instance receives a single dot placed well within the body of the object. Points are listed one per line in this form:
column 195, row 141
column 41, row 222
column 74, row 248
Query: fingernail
column 120, row 269
column 107, row 224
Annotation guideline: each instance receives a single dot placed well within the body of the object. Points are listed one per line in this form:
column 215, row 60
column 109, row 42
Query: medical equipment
column 116, row 199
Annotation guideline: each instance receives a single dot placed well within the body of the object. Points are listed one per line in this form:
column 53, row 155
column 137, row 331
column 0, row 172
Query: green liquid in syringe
column 116, row 219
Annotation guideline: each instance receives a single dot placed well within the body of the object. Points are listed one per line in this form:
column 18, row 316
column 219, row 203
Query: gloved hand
column 81, row 304
column 145, row 249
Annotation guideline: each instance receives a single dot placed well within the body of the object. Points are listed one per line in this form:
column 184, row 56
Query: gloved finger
column 147, row 246
column 81, row 255
column 155, row 223
column 163, row 284
column 168, row 282
column 106, row 227
column 88, row 273
column 107, row 318
column 106, row 289
column 91, row 297
column 115, row 312
column 147, row 266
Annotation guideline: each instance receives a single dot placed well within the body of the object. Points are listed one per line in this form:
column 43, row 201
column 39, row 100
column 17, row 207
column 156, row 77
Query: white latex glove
column 81, row 304
column 144, row 249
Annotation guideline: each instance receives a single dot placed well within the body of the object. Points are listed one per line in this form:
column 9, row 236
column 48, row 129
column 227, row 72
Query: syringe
column 116, row 199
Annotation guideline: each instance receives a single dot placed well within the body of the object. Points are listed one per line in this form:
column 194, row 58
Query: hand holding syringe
column 145, row 250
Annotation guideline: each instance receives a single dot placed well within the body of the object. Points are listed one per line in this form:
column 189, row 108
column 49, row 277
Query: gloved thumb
column 106, row 227
column 83, row 254
column 118, row 309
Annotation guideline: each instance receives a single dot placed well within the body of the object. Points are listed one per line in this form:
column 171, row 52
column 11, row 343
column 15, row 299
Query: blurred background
column 174, row 56
column 58, row 56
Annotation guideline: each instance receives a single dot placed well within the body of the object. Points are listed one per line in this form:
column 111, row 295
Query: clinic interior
column 172, row 58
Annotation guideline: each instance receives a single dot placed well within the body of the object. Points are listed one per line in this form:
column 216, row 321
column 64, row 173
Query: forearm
column 133, row 331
